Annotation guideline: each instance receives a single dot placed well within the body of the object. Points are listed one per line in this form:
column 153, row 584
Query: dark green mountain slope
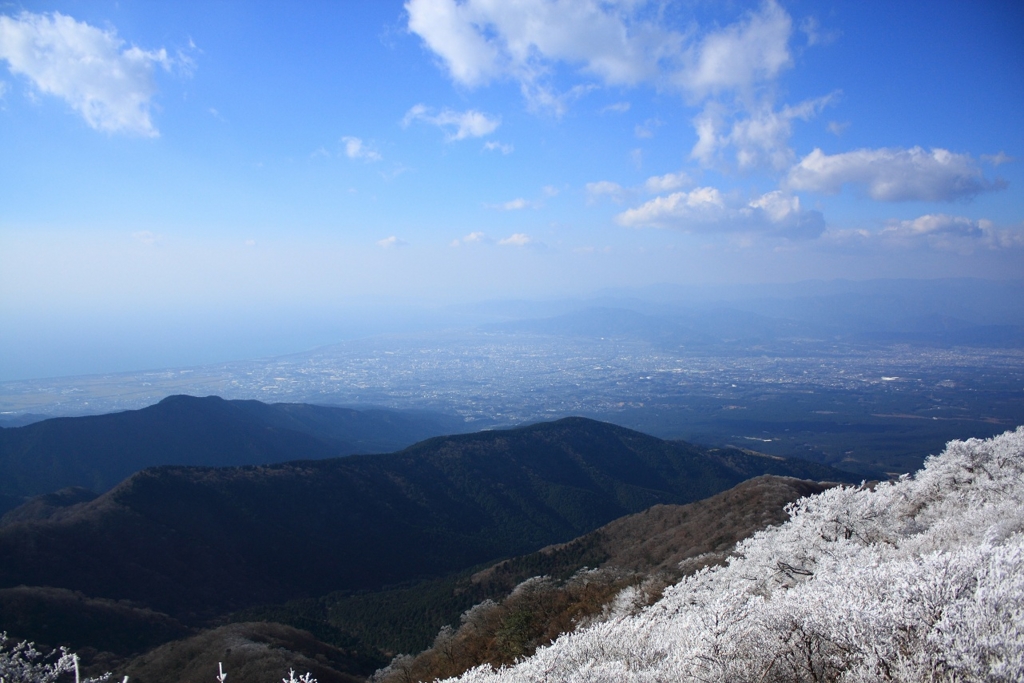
column 97, row 452
column 195, row 542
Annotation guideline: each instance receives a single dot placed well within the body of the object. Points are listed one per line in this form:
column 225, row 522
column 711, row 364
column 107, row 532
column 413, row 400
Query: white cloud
column 467, row 124
column 391, row 242
column 940, row 232
column 997, row 159
column 706, row 209
column 742, row 55
column 550, row 191
column 730, row 68
column 646, row 129
column 356, row 149
column 666, row 183
column 513, row 205
column 616, row 108
column 893, row 175
column 493, row 146
column 760, row 138
column 475, row 238
column 616, row 43
column 811, row 28
column 605, row 188
column 3, row 89
column 837, row 128
column 951, row 233
column 516, row 240
column 109, row 84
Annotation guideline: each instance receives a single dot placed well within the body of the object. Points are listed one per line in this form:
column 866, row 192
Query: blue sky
column 209, row 170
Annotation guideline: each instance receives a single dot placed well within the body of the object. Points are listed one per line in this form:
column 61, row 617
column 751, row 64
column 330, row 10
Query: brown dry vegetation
column 643, row 552
column 250, row 652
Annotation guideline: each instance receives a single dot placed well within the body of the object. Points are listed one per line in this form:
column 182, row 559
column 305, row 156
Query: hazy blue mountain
column 948, row 312
column 96, row 452
column 22, row 419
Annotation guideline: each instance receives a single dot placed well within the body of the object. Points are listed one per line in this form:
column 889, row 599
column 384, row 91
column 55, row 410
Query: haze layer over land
column 199, row 183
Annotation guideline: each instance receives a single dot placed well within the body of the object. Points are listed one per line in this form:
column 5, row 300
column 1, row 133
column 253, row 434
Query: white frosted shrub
column 921, row 579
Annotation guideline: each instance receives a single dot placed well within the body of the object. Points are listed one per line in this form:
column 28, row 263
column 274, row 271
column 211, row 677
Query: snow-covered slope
column 916, row 580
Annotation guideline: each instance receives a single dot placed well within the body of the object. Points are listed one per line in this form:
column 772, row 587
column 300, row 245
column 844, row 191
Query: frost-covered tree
column 21, row 662
column 921, row 579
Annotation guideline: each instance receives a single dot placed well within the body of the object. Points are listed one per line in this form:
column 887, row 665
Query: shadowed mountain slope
column 194, row 542
column 97, row 452
column 578, row 581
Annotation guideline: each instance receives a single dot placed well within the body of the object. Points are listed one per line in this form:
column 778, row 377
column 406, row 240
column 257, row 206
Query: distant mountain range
column 935, row 313
column 97, row 452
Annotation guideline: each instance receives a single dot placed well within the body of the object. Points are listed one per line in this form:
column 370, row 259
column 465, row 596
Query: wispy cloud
column 391, row 242
column 837, row 128
column 605, row 188
column 494, row 146
column 457, row 125
column 646, row 129
column 518, row 239
column 516, row 204
column 667, row 183
column 355, row 148
column 997, row 159
column 616, row 108
column 110, row 85
column 472, row 238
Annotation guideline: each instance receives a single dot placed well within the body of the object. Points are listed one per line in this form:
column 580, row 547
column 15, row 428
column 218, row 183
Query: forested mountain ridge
column 98, row 451
column 195, row 542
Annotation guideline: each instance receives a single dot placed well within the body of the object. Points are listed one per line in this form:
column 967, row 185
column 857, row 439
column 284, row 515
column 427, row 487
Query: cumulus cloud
column 616, row 43
column 951, row 233
column 626, row 43
column 516, row 240
column 457, row 125
column 893, row 175
column 741, row 55
column 355, row 148
column 706, row 209
column 91, row 69
column 391, row 242
column 605, row 188
column 666, row 183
